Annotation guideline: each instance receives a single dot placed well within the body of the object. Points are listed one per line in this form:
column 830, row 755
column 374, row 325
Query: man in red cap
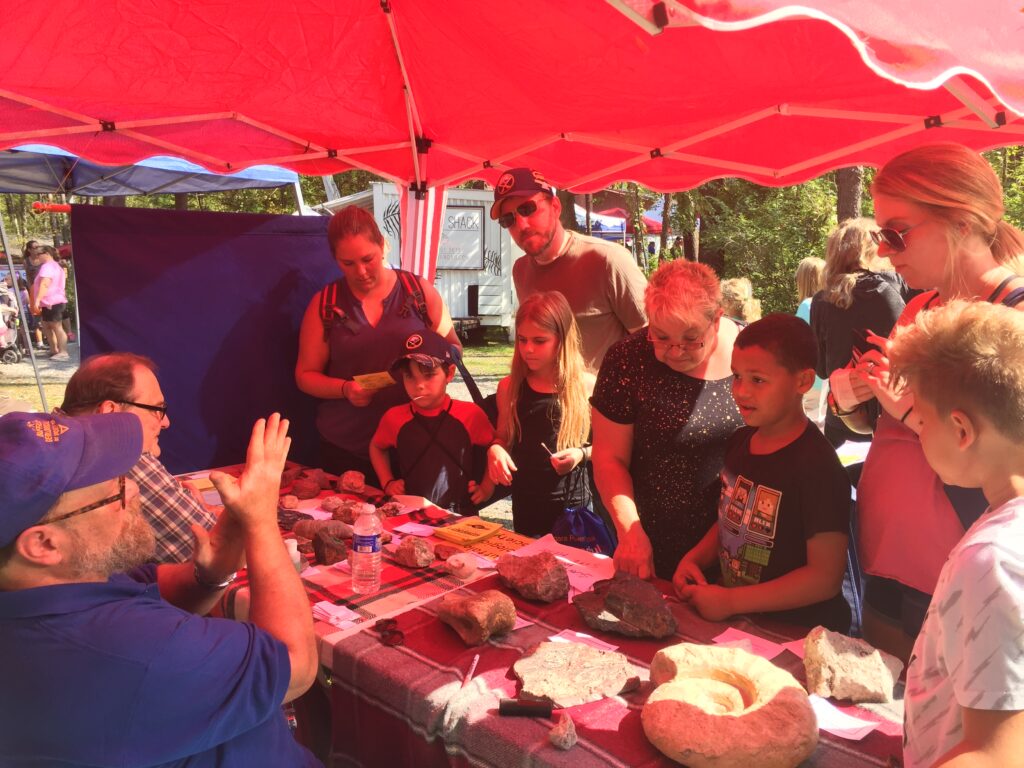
column 599, row 279
column 104, row 660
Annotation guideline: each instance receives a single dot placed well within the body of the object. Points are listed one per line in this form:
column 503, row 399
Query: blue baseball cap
column 45, row 455
column 425, row 347
column 519, row 182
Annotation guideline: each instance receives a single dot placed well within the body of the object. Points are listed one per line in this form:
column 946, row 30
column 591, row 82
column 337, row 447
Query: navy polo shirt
column 110, row 674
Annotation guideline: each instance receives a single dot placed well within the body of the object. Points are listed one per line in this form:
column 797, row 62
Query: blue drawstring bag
column 582, row 527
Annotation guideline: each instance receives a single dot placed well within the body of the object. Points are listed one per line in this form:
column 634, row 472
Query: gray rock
column 567, row 674
column 308, row 529
column 329, row 548
column 414, row 552
column 846, row 668
column 536, row 577
column 563, row 735
column 478, row 616
column 627, row 605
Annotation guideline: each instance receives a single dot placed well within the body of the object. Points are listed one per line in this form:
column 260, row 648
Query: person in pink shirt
column 49, row 300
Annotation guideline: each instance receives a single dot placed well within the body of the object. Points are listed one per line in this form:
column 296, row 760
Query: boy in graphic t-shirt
column 440, row 443
column 964, row 366
column 783, row 516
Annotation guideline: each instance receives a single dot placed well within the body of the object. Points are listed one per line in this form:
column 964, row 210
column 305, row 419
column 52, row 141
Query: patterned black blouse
column 680, row 428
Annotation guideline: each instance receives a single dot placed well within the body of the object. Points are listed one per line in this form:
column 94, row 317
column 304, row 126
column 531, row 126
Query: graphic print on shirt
column 748, row 515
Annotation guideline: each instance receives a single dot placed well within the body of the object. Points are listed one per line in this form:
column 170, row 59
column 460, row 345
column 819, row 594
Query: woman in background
column 809, row 277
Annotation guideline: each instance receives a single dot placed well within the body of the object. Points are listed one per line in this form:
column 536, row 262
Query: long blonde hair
column 551, row 312
column 958, row 186
column 850, row 251
column 809, row 277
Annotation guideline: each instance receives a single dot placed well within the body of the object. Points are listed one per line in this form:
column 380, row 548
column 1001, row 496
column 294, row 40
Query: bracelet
column 837, row 411
column 210, row 585
column 903, row 418
column 344, row 383
column 389, row 482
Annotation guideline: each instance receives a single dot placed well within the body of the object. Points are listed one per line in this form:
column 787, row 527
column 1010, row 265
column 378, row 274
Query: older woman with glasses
column 940, row 209
column 662, row 413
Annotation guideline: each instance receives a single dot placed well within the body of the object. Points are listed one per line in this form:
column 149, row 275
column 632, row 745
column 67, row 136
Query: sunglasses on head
column 892, row 237
column 528, row 208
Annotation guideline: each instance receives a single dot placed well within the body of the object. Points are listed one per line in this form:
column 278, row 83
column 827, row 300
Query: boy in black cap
column 440, row 443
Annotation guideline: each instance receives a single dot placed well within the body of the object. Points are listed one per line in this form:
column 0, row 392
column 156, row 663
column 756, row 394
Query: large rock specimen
column 307, row 528
column 846, row 668
column 720, row 707
column 627, row 605
column 328, row 547
column 305, row 488
column 567, row 674
column 476, row 617
column 536, row 577
column 414, row 552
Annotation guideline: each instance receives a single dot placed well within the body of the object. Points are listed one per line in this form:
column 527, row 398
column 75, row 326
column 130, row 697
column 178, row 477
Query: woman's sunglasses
column 388, row 631
column 892, row 237
column 528, row 208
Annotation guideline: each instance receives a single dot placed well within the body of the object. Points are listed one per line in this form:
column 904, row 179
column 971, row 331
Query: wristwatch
column 834, row 407
column 210, row 585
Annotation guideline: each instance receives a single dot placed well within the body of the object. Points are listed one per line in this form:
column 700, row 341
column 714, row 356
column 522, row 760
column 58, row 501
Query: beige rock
column 352, row 482
column 535, row 577
column 461, row 565
column 568, row 674
column 563, row 735
column 726, row 708
column 478, row 616
column 289, row 501
column 414, row 552
column 846, row 668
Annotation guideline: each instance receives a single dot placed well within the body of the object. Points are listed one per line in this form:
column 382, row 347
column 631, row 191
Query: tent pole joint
column 423, row 144
column 933, row 121
column 655, row 153
column 108, row 126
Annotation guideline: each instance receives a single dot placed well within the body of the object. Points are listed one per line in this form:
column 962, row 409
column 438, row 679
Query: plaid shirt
column 169, row 509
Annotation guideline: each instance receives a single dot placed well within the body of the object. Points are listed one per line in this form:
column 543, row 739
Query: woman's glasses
column 892, row 237
column 689, row 345
column 528, row 208
column 389, row 632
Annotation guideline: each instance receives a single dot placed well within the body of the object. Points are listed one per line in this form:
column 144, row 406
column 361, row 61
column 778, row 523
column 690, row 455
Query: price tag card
column 373, row 381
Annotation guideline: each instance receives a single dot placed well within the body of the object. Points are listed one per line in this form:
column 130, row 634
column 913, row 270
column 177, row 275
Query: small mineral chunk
column 289, row 501
column 536, row 577
column 563, row 734
column 319, row 477
column 461, row 565
column 478, row 616
column 328, row 548
column 414, row 552
column 443, row 550
column 304, row 488
column 352, row 482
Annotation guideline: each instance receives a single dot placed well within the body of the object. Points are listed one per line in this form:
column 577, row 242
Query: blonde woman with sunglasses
column 940, row 212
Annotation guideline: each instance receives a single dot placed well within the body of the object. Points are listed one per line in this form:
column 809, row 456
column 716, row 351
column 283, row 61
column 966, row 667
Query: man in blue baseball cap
column 104, row 667
column 600, row 279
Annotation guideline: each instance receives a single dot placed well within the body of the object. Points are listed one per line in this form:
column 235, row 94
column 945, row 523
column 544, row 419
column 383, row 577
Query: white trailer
column 474, row 262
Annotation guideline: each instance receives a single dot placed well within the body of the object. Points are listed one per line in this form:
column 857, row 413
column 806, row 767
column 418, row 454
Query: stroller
column 10, row 349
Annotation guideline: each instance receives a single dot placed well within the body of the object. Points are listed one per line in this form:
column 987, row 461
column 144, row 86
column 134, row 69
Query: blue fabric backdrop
column 216, row 300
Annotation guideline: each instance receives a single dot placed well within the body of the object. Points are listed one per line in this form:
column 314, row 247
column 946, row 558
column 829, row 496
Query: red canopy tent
column 430, row 93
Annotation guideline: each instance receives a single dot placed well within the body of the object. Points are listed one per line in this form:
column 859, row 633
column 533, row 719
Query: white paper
column 415, row 529
column 795, row 647
column 568, row 636
column 839, row 723
column 758, row 646
column 316, row 514
column 311, row 570
column 521, row 622
column 343, row 566
column 336, row 615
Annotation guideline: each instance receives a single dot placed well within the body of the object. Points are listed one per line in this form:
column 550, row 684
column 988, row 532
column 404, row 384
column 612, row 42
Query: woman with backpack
column 355, row 326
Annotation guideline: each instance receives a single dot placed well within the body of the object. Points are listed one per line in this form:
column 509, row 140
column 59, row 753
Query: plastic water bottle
column 366, row 551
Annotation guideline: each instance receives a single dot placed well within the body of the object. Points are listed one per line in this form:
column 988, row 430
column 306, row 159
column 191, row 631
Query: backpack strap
column 329, row 307
column 1014, row 297
column 412, row 287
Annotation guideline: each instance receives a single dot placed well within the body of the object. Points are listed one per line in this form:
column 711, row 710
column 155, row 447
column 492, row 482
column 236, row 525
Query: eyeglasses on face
column 690, row 345
column 524, row 210
column 892, row 237
column 160, row 410
column 96, row 504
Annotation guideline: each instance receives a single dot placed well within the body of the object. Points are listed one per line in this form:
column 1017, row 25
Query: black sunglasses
column 528, row 208
column 161, row 410
column 95, row 505
column 892, row 237
column 389, row 632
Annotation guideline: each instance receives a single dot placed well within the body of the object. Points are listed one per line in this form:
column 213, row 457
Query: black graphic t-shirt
column 771, row 505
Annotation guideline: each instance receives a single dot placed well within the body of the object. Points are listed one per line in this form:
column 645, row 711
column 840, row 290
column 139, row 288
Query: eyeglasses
column 96, row 504
column 528, row 208
column 689, row 345
column 160, row 410
column 892, row 237
column 389, row 632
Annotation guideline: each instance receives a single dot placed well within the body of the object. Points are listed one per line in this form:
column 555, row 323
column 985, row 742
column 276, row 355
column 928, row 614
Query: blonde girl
column 543, row 430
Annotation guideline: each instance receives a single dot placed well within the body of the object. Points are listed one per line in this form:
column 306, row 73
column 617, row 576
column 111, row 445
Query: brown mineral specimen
column 289, row 501
column 568, row 674
column 304, row 488
column 444, row 550
column 352, row 482
column 319, row 477
column 845, row 668
column 347, row 510
column 536, row 577
column 328, row 548
column 627, row 605
column 308, row 529
column 478, row 616
column 720, row 707
column 563, row 735
column 289, row 474
column 414, row 552
column 390, row 509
